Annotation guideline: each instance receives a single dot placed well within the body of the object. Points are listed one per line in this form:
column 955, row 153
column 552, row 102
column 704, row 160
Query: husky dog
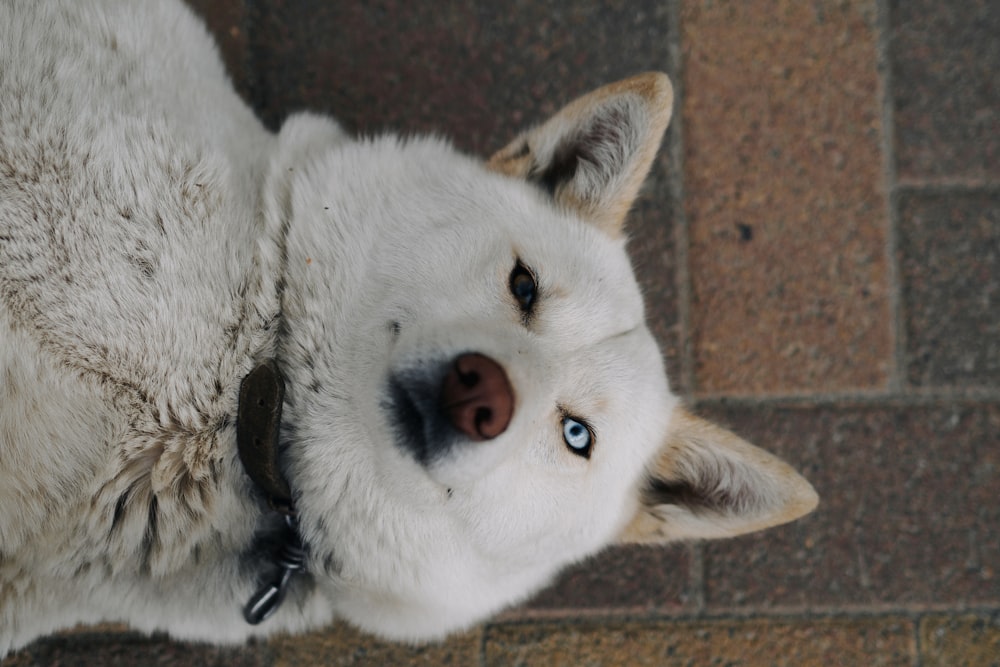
column 438, row 366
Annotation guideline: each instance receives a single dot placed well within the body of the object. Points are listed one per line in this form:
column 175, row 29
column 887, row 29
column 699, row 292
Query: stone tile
column 907, row 513
column 945, row 57
column 622, row 578
column 226, row 19
column 733, row 643
column 653, row 251
column 970, row 640
column 949, row 258
column 785, row 197
column 128, row 650
column 342, row 646
column 476, row 71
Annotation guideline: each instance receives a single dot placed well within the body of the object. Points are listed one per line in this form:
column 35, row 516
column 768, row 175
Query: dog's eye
column 577, row 437
column 523, row 287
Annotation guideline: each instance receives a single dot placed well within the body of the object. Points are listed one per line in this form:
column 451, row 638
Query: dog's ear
column 706, row 482
column 594, row 154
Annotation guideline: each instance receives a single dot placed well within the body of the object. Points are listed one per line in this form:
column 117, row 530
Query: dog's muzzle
column 436, row 407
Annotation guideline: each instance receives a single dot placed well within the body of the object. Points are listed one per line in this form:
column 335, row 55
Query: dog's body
column 157, row 243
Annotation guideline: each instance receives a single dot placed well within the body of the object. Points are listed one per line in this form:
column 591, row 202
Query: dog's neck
column 258, row 425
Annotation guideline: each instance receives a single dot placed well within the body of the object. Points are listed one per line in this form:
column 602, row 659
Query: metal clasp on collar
column 291, row 559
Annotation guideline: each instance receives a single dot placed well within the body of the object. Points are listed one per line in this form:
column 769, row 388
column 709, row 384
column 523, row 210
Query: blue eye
column 577, row 437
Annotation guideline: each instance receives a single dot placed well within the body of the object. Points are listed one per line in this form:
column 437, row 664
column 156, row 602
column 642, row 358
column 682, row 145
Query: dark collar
column 258, row 425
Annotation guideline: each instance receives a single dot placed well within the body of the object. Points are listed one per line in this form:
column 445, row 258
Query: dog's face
column 520, row 377
column 487, row 404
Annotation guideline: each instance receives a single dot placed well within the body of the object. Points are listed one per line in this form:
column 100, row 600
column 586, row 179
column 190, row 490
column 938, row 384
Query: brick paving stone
column 968, row 640
column 130, row 650
column 632, row 578
column 949, row 258
column 475, row 71
column 785, row 197
column 342, row 646
column 945, row 58
column 653, row 251
column 732, row 643
column 907, row 513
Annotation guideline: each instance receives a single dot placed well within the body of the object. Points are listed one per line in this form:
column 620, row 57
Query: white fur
column 156, row 243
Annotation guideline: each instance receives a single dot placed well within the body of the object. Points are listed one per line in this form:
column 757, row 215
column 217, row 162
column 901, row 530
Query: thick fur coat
column 157, row 243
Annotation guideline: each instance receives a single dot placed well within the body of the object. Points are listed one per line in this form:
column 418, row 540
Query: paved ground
column 820, row 243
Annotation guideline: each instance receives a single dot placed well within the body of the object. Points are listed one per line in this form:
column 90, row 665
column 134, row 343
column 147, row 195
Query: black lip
column 407, row 420
column 412, row 404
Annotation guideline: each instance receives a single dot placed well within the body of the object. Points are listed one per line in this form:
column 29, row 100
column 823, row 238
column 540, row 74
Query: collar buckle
column 291, row 559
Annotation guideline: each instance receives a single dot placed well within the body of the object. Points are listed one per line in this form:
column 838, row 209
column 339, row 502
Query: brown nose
column 476, row 397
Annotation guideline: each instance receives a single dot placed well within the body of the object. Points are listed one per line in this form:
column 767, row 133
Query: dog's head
column 478, row 401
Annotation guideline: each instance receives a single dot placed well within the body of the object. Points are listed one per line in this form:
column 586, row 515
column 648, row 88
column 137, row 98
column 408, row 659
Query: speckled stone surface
column 622, row 578
column 970, row 640
column 737, row 643
column 785, row 199
column 653, row 250
column 85, row 649
column 946, row 92
column 949, row 258
column 474, row 71
column 343, row 647
column 908, row 511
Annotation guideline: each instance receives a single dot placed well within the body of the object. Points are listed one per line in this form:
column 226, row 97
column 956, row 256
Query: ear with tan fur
column 594, row 154
column 708, row 483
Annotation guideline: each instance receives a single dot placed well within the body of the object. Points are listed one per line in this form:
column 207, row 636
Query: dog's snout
column 476, row 397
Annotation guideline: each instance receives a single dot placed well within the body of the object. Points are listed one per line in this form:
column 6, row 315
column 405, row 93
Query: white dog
column 470, row 399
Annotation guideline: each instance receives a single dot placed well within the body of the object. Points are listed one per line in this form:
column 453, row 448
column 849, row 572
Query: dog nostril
column 483, row 418
column 468, row 380
column 476, row 397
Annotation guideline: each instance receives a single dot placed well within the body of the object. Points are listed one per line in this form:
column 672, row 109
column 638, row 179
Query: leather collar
column 258, row 426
